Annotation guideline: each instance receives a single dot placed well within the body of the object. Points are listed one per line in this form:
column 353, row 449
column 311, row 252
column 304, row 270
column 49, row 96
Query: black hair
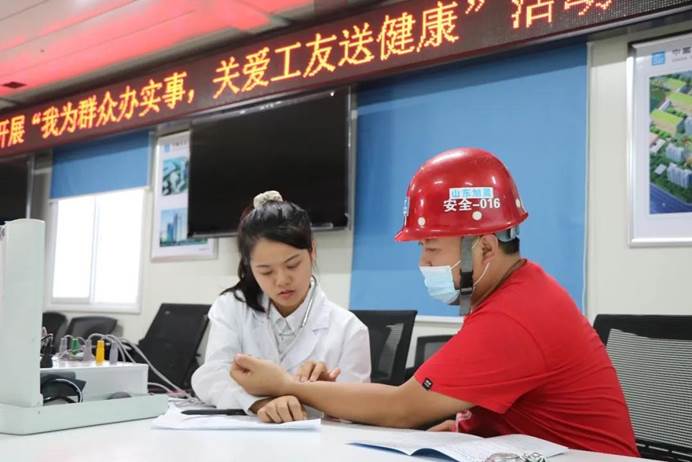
column 510, row 247
column 279, row 221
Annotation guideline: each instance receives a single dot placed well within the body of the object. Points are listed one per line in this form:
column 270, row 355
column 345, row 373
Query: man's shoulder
column 530, row 297
column 530, row 284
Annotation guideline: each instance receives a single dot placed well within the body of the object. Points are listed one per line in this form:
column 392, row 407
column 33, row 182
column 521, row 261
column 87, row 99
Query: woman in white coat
column 278, row 311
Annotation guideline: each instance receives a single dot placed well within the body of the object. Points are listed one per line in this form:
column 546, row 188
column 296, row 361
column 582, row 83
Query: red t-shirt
column 531, row 363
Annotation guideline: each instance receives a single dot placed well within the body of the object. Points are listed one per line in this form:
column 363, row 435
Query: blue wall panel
column 529, row 109
column 107, row 164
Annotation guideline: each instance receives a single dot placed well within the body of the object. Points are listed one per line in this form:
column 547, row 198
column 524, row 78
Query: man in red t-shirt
column 532, row 364
column 525, row 360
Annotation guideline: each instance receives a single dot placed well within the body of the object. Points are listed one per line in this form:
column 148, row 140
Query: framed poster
column 169, row 236
column 660, row 142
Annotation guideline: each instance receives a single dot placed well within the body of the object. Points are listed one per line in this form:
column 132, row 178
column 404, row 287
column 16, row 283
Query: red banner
column 403, row 36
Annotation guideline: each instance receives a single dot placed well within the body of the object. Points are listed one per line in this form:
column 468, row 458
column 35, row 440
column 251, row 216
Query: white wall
column 201, row 281
column 621, row 279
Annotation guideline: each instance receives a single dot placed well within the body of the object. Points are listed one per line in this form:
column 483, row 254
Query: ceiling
column 59, row 46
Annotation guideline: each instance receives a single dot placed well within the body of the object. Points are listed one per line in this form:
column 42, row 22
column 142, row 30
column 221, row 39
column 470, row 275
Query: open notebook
column 461, row 446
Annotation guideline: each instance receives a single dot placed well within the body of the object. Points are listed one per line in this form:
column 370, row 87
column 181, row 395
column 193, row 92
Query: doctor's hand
column 282, row 409
column 312, row 371
column 259, row 377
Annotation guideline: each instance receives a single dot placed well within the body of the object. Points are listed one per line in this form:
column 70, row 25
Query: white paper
column 410, row 441
column 175, row 420
column 476, row 451
column 463, row 447
column 529, row 444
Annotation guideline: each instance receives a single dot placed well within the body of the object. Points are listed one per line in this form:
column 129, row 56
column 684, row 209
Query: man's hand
column 260, row 377
column 282, row 409
column 312, row 371
column 446, row 426
column 259, row 404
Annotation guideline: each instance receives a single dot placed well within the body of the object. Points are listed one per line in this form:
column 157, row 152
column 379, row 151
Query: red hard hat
column 461, row 192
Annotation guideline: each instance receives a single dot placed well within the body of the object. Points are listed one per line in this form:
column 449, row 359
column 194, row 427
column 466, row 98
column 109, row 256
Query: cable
column 122, row 346
column 122, row 342
column 188, row 402
column 67, row 399
column 154, row 384
column 156, row 371
column 65, row 349
column 74, row 386
column 111, row 338
column 115, row 343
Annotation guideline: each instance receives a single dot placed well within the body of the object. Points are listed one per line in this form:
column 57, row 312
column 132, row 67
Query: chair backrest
column 427, row 345
column 653, row 358
column 84, row 326
column 390, row 339
column 172, row 340
column 55, row 323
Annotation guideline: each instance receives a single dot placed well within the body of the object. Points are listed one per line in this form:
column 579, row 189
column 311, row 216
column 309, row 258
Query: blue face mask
column 440, row 282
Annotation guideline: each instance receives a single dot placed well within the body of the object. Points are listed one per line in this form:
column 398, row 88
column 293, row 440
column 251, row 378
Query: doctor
column 278, row 312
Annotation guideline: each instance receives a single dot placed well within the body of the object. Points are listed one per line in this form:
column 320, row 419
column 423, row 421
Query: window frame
column 87, row 304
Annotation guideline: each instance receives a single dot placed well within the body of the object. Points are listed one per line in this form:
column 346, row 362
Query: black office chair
column 390, row 338
column 426, row 346
column 84, row 326
column 172, row 341
column 653, row 358
column 55, row 323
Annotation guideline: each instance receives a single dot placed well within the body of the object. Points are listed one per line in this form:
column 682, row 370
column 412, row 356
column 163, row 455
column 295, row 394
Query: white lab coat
column 332, row 335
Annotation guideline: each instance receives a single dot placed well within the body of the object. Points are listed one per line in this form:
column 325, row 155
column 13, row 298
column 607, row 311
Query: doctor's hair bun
column 267, row 196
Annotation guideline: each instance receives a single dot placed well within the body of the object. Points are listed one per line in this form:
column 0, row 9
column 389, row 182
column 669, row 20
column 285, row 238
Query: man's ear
column 490, row 247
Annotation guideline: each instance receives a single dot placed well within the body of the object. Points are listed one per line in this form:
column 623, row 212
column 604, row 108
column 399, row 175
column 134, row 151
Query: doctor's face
column 282, row 272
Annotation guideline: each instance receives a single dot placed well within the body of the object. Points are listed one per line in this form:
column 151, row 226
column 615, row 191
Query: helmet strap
column 508, row 234
column 466, row 272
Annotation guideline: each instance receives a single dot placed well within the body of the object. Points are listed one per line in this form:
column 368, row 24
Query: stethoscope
column 303, row 323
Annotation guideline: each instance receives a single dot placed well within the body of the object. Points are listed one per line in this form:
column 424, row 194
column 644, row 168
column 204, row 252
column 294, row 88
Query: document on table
column 462, row 447
column 173, row 419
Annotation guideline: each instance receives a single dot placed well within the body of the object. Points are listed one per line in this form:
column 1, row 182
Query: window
column 95, row 247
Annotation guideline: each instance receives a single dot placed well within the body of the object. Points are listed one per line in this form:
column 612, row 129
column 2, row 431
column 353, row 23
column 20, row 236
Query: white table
column 136, row 442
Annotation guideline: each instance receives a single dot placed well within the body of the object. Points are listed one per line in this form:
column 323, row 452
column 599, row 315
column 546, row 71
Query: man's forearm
column 408, row 405
column 369, row 403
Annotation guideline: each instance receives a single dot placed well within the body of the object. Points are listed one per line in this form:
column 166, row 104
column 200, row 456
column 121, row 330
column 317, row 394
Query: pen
column 214, row 412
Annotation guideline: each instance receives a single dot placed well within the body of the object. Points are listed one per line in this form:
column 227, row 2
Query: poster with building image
column 660, row 158
column 670, row 143
column 169, row 237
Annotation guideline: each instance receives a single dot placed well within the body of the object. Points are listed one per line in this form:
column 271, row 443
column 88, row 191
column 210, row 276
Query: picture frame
column 171, row 180
column 660, row 142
